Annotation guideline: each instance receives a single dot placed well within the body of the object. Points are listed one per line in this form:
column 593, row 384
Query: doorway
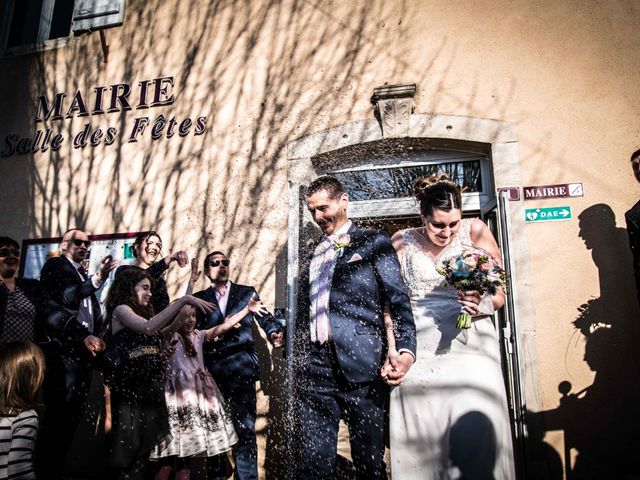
column 377, row 173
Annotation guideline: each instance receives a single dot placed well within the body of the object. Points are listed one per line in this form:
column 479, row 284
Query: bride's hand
column 399, row 366
column 470, row 299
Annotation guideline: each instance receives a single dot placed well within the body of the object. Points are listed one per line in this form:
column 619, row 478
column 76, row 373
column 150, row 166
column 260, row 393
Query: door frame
column 313, row 155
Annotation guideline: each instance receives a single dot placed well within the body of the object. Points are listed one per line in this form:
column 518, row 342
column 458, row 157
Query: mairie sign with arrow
column 547, row 214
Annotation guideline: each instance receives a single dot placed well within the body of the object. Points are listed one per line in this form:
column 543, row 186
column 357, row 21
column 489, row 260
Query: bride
column 449, row 417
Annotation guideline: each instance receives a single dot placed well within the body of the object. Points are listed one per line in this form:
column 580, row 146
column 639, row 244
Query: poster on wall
column 35, row 252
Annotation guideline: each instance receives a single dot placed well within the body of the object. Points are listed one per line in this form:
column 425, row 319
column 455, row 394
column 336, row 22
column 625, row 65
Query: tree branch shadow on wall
column 276, row 69
column 600, row 421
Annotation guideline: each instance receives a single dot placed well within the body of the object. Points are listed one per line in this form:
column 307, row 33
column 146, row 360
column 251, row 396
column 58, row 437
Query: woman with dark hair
column 139, row 413
column 449, row 418
column 147, row 248
column 23, row 302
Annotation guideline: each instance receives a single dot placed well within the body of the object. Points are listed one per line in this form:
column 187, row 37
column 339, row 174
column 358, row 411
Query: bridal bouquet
column 473, row 270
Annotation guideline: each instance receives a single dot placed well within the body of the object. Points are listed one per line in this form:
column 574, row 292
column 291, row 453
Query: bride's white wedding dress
column 449, row 417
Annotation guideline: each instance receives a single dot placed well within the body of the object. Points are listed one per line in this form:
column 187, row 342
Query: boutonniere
column 341, row 243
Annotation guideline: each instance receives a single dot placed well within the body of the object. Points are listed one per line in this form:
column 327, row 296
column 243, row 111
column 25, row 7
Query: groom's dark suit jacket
column 232, row 358
column 366, row 274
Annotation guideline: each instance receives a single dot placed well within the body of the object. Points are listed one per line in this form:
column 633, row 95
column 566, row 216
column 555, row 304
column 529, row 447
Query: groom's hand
column 400, row 365
column 388, row 366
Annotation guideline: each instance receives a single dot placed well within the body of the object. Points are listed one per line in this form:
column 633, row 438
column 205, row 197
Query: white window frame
column 407, row 207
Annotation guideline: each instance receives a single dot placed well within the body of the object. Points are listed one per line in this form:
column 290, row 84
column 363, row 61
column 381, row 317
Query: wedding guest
column 72, row 440
column 200, row 426
column 147, row 248
column 232, row 359
column 345, row 285
column 139, row 413
column 24, row 304
column 449, row 417
column 21, row 374
column 632, row 216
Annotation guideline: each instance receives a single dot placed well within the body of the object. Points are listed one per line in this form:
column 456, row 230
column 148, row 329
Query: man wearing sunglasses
column 232, row 359
column 73, row 429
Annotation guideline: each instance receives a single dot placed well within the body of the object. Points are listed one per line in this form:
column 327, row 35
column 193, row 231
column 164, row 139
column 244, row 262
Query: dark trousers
column 71, row 442
column 240, row 402
column 324, row 398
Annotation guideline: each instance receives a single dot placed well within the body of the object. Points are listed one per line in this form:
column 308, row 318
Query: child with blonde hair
column 21, row 374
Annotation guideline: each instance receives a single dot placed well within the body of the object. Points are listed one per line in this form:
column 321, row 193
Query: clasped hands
column 396, row 367
column 260, row 309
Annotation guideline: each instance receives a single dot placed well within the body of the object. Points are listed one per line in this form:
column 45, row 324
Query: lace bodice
column 418, row 267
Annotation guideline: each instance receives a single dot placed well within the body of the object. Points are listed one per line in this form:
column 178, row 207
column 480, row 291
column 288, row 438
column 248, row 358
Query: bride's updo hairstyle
column 437, row 192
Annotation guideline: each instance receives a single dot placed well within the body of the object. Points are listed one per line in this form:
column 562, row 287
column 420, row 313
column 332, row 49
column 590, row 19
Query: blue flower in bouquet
column 461, row 269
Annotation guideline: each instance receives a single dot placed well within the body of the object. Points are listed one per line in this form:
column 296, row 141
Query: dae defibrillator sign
column 547, row 214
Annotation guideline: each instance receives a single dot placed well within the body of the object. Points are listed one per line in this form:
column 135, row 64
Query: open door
column 380, row 198
column 496, row 215
column 296, row 220
column 302, row 235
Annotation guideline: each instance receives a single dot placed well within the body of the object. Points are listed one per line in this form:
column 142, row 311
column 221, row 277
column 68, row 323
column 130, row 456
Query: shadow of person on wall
column 600, row 421
column 610, row 252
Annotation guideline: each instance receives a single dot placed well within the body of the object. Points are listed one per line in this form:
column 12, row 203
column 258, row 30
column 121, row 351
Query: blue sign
column 549, row 214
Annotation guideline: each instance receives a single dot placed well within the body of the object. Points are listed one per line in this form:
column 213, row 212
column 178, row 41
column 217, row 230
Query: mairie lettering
column 109, row 99
column 546, row 192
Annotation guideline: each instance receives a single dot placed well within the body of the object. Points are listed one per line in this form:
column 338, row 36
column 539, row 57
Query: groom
column 350, row 277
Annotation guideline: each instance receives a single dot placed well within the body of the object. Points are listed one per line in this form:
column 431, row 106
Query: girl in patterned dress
column 199, row 425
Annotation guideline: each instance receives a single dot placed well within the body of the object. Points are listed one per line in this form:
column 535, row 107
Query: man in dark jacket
column 72, row 439
column 232, row 358
column 633, row 223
